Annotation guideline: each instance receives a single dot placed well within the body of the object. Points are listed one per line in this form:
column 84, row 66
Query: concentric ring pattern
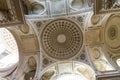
column 111, row 34
column 62, row 39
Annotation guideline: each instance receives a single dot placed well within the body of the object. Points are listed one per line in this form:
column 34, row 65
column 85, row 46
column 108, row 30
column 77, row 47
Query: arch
column 10, row 52
column 68, row 68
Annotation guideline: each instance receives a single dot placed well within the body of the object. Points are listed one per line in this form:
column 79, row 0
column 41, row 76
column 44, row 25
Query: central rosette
column 61, row 38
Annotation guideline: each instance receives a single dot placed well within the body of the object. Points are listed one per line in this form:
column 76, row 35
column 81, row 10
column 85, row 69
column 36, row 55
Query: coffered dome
column 62, row 39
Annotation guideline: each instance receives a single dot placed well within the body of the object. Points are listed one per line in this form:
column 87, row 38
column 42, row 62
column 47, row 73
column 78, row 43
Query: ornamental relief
column 93, row 37
column 111, row 34
column 85, row 38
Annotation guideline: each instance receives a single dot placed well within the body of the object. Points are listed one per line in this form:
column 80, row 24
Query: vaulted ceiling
column 61, row 38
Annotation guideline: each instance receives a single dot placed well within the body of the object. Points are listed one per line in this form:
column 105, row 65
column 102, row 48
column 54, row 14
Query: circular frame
column 111, row 34
column 58, row 28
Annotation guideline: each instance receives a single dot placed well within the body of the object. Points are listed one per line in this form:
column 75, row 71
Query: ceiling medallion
column 111, row 34
column 24, row 28
column 62, row 39
column 95, row 19
column 96, row 53
column 32, row 63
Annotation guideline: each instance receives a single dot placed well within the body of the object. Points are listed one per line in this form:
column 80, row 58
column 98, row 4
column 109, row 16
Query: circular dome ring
column 62, row 39
column 111, row 34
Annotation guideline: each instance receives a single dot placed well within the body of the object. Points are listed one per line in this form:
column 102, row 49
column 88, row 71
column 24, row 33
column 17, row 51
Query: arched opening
column 68, row 71
column 9, row 55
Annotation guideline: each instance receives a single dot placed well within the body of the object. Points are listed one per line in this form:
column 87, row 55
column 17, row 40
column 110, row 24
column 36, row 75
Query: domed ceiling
column 62, row 39
column 111, row 34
